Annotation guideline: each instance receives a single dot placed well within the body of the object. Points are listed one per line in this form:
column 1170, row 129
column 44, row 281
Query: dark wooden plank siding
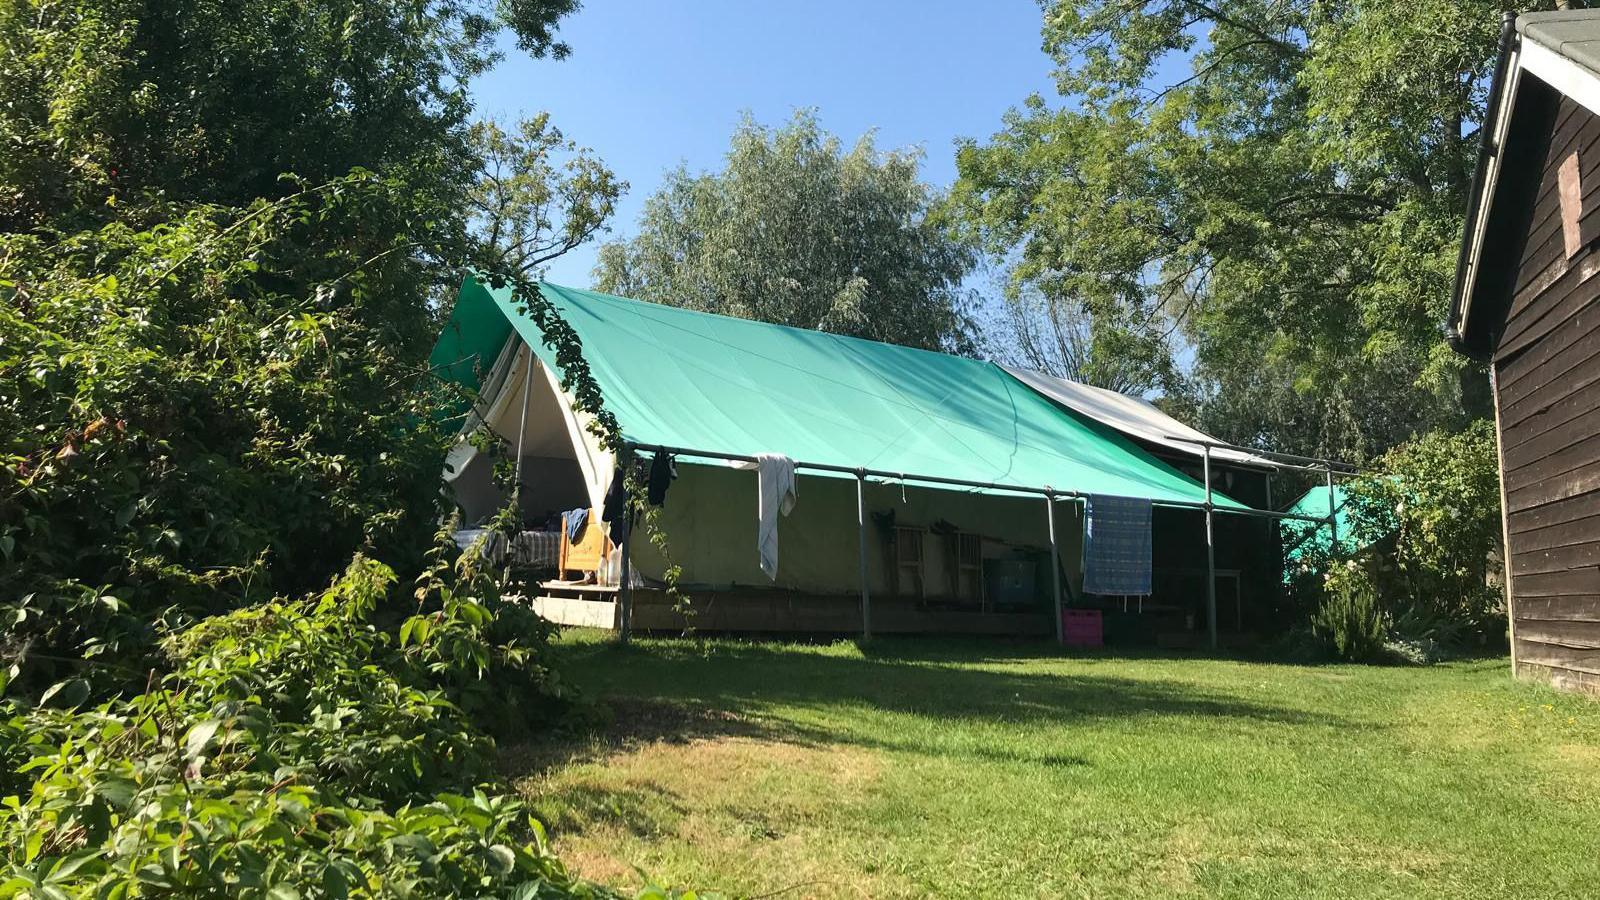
column 1547, row 378
column 1569, row 354
column 1573, row 606
column 1545, row 246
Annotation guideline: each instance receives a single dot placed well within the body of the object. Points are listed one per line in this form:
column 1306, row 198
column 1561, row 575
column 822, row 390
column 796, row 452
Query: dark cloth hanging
column 616, row 500
column 662, row 470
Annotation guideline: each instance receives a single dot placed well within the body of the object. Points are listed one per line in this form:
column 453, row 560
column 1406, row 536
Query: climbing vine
column 578, row 383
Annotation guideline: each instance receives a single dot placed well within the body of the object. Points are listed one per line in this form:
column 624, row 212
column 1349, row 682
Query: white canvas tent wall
column 521, row 402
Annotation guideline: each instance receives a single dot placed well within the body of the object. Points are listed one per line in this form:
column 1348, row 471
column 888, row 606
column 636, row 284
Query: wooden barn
column 1527, row 300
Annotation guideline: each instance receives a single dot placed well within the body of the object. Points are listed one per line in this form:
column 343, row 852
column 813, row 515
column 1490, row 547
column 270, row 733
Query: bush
column 1439, row 501
column 490, row 655
column 1423, row 579
column 200, row 415
column 296, row 749
column 1350, row 619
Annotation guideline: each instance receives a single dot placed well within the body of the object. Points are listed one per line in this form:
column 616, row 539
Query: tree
column 224, row 233
column 528, row 206
column 146, row 106
column 225, row 228
column 799, row 231
column 1070, row 341
column 1291, row 205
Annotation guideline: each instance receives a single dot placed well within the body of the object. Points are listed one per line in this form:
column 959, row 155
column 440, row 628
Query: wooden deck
column 765, row 611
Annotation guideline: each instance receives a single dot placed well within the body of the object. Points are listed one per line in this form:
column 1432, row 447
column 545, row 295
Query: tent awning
column 679, row 378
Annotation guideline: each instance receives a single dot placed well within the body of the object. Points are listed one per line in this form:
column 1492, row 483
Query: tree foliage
column 799, row 231
column 1070, row 341
column 539, row 195
column 217, row 388
column 1279, row 185
column 226, row 230
column 107, row 105
column 1420, row 570
column 206, row 412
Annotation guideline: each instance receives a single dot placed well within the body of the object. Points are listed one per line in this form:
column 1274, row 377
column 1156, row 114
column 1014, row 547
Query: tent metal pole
column 1211, row 559
column 625, row 588
column 861, row 553
column 1333, row 514
column 516, row 485
column 1055, row 562
column 1274, row 535
column 522, row 428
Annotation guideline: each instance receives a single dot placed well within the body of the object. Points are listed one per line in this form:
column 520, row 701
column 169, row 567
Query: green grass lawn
column 917, row 768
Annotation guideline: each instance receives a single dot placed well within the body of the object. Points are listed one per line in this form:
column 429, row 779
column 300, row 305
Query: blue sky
column 653, row 84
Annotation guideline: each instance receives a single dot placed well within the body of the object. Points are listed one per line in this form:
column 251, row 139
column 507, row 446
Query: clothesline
column 1051, row 494
column 1055, row 493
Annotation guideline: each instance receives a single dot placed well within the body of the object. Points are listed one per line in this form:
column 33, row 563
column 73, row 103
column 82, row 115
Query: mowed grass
column 918, row 768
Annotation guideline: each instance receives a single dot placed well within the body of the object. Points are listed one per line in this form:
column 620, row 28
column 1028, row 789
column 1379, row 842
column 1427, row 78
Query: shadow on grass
column 679, row 691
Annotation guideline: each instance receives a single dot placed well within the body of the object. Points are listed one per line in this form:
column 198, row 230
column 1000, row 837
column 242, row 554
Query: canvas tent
column 934, row 439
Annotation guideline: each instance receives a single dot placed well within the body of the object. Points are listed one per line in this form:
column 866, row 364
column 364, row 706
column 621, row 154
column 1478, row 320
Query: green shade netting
column 678, row 378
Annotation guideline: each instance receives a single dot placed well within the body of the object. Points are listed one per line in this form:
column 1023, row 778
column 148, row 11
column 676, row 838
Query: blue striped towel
column 1116, row 551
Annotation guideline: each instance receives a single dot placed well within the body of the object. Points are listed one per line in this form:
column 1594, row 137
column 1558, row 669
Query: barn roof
column 679, row 378
column 1543, row 57
column 1572, row 34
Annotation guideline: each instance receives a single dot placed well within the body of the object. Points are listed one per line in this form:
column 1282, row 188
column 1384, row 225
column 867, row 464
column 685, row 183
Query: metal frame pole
column 625, row 584
column 982, row 485
column 1211, row 558
column 861, row 551
column 1055, row 562
column 1333, row 515
column 516, row 484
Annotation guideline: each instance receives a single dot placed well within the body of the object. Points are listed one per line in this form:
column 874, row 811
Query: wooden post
column 1055, row 561
column 1505, row 520
column 861, row 551
column 1211, row 558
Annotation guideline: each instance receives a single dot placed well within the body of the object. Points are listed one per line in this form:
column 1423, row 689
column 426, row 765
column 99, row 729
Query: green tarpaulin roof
column 679, row 378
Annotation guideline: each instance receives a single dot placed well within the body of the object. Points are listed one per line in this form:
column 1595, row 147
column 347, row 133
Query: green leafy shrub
column 490, row 655
column 189, row 425
column 296, row 746
column 1350, row 619
column 1439, row 501
column 361, row 722
column 1423, row 579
